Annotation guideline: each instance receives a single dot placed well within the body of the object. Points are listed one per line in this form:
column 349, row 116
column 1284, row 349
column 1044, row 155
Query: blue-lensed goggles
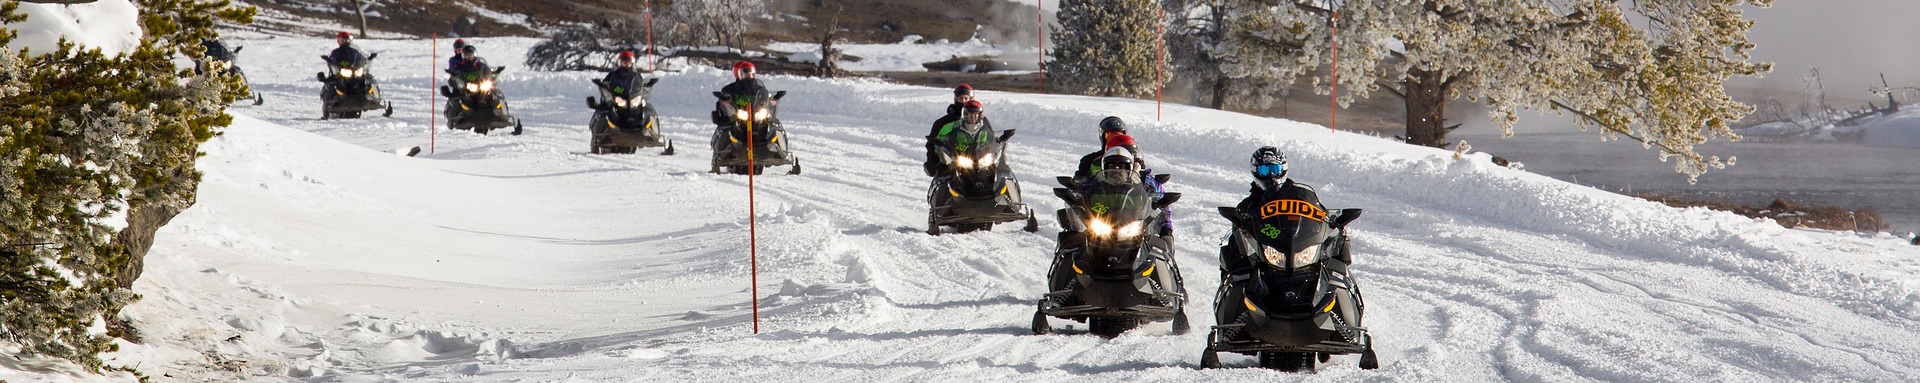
column 1269, row 170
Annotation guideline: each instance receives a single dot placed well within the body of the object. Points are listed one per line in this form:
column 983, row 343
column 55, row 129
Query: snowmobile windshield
column 627, row 93
column 973, row 151
column 218, row 51
column 756, row 106
column 1290, row 226
column 353, row 60
column 477, row 82
column 1118, row 213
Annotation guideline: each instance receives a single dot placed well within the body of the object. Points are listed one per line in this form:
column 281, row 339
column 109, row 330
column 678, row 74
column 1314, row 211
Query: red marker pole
column 1333, row 123
column 753, row 227
column 432, row 97
column 1040, row 41
column 1159, row 52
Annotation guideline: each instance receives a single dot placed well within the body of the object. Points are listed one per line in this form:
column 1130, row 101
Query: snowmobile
column 478, row 105
column 979, row 190
column 1122, row 267
column 1286, row 296
column 623, row 121
column 349, row 89
column 751, row 120
column 222, row 61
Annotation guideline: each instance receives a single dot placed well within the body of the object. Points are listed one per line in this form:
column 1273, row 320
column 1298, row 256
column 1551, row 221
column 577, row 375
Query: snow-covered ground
column 316, row 254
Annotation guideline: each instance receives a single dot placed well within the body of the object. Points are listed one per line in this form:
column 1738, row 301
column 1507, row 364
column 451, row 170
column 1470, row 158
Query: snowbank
column 1901, row 130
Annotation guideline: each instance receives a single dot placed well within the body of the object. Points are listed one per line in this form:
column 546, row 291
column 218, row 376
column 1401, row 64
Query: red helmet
column 343, row 35
column 1120, row 140
column 972, row 105
column 963, row 90
column 626, row 55
column 742, row 69
column 457, row 43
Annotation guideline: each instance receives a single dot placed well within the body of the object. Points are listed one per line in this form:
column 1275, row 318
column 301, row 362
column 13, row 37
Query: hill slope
column 522, row 259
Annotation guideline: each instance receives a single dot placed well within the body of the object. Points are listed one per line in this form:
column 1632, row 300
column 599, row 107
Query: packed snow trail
column 502, row 258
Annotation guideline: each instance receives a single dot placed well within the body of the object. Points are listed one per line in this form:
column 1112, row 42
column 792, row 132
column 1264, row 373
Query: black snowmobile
column 1285, row 295
column 1113, row 268
column 979, row 190
column 478, row 105
column 223, row 61
column 623, row 120
column 751, row 120
column 349, row 89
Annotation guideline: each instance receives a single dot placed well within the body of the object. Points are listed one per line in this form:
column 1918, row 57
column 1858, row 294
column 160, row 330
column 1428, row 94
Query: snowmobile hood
column 1291, row 220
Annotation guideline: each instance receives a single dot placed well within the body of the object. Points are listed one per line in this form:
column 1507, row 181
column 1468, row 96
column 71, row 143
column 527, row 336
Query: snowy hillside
column 317, row 254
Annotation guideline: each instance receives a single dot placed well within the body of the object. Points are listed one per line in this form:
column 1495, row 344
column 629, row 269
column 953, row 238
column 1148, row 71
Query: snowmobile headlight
column 986, row 161
column 762, row 114
column 472, row 87
column 1100, row 228
column 1130, row 230
column 619, row 102
column 347, row 73
column 963, row 162
column 740, row 114
column 360, row 72
column 1306, row 256
column 486, row 86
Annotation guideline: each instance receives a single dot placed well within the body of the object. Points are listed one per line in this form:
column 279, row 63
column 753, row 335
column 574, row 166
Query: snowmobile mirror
column 591, row 104
column 446, row 92
column 1068, row 223
column 651, row 81
column 1345, row 217
column 498, row 69
column 1068, row 195
column 778, row 95
column 320, row 76
column 600, row 83
column 236, row 50
column 1004, row 136
column 1066, row 181
column 451, row 73
column 720, row 95
column 373, row 56
column 325, row 58
column 1162, row 178
column 1166, row 200
column 1231, row 214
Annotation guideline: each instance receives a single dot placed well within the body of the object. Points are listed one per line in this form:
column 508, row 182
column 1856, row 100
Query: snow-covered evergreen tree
column 1225, row 71
column 88, row 141
column 1652, row 71
column 1105, row 47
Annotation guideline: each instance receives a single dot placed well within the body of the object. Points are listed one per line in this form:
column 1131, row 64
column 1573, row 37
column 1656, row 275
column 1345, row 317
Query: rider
column 1110, row 127
column 346, row 52
column 968, row 127
column 1269, row 168
column 623, row 71
column 215, row 50
column 454, row 62
column 744, row 83
column 961, row 95
column 462, row 64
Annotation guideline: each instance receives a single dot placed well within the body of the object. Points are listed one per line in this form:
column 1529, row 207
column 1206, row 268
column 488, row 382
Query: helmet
column 963, row 90
column 469, row 50
column 626, row 58
column 1112, row 124
column 457, row 43
column 742, row 70
column 972, row 109
column 1268, row 164
column 1120, row 140
column 343, row 35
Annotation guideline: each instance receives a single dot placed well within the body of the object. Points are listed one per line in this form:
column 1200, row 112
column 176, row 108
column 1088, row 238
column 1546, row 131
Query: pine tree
column 1651, row 71
column 1106, row 47
column 87, row 140
column 1226, row 71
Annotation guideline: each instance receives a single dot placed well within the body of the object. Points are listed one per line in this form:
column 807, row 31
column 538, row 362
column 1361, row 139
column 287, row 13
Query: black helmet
column 1112, row 124
column 1267, row 164
column 469, row 49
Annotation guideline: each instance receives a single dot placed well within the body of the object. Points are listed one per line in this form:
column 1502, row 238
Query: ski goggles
column 1270, row 170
